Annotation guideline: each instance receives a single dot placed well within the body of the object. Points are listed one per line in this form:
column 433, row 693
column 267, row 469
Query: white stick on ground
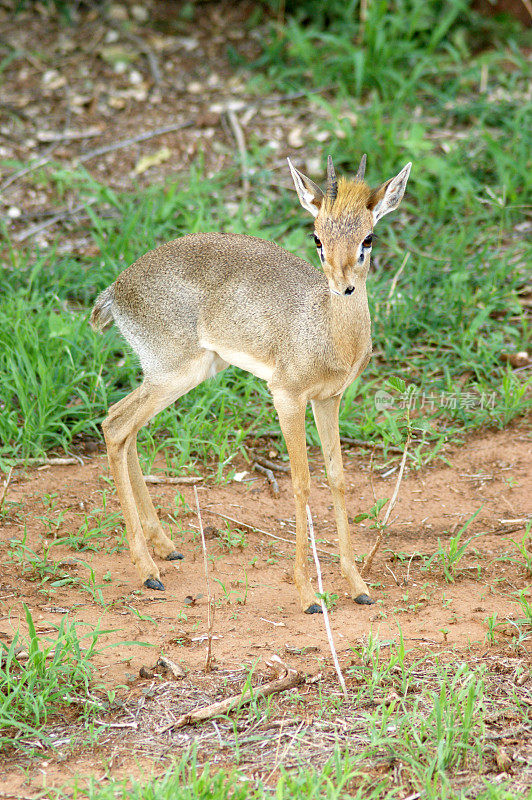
column 324, row 606
column 210, row 602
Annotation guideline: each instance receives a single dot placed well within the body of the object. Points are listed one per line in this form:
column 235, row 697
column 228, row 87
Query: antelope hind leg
column 151, row 525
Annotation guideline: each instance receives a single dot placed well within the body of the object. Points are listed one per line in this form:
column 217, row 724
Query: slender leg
column 151, row 526
column 207, row 364
column 326, row 416
column 120, row 428
column 291, row 413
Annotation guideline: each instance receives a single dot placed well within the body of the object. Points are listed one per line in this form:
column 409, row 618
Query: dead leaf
column 295, row 137
column 239, row 476
column 152, row 160
column 115, row 54
column 191, row 601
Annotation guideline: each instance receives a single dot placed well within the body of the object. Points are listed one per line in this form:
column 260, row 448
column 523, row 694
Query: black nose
column 350, row 290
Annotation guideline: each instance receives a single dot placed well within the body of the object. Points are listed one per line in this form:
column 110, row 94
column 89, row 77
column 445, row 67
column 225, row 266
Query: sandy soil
column 257, row 612
column 489, row 475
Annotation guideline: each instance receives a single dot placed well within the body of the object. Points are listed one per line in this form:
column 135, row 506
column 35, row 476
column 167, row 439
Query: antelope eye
column 317, row 241
column 368, row 240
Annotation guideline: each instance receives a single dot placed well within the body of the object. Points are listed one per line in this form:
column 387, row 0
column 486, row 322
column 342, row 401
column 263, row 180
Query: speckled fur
column 238, row 291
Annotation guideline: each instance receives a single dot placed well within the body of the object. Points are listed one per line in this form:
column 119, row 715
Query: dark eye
column 368, row 240
column 317, row 241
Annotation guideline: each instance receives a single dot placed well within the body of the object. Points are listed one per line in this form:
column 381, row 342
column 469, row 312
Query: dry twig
column 180, row 479
column 140, row 137
column 274, row 486
column 367, row 565
column 241, row 144
column 254, row 529
column 271, row 465
column 362, row 443
column 324, row 606
column 394, row 283
column 210, row 599
column 286, row 679
column 41, row 226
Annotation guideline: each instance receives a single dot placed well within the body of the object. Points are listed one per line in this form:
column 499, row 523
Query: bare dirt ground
column 73, row 93
column 257, row 611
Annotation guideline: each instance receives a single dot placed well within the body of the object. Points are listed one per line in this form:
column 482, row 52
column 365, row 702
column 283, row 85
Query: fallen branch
column 184, row 479
column 274, row 486
column 271, row 465
column 324, row 606
column 367, row 564
column 210, row 599
column 141, row 137
column 286, row 678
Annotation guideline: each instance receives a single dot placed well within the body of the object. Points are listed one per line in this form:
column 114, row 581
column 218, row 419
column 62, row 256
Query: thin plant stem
column 210, row 603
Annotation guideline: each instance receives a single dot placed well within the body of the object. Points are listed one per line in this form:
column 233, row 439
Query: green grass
column 445, row 320
column 39, row 680
column 408, row 91
column 410, row 726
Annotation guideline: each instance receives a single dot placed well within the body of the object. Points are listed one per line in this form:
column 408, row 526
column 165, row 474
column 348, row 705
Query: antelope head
column 344, row 218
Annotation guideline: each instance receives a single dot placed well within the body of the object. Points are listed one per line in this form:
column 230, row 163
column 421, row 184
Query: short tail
column 102, row 313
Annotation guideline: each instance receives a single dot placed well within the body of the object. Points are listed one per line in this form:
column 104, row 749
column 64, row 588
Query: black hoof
column 174, row 556
column 314, row 609
column 154, row 583
column 364, row 600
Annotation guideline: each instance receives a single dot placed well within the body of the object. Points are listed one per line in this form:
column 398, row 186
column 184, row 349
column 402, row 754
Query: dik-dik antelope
column 206, row 300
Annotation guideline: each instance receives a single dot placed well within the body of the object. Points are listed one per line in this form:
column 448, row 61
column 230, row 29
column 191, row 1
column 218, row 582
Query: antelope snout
column 341, row 287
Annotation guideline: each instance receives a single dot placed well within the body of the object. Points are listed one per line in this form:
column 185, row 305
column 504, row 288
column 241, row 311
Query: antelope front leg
column 326, row 416
column 291, row 413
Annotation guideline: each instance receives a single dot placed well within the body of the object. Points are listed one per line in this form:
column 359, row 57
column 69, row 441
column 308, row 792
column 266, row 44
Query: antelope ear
column 310, row 195
column 389, row 194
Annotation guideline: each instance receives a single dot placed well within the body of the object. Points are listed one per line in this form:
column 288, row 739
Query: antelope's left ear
column 389, row 194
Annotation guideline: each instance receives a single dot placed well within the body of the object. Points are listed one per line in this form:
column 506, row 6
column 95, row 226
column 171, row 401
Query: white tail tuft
column 102, row 313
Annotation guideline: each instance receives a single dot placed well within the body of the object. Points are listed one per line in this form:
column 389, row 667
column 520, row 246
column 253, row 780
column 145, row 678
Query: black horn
column 332, row 183
column 361, row 169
